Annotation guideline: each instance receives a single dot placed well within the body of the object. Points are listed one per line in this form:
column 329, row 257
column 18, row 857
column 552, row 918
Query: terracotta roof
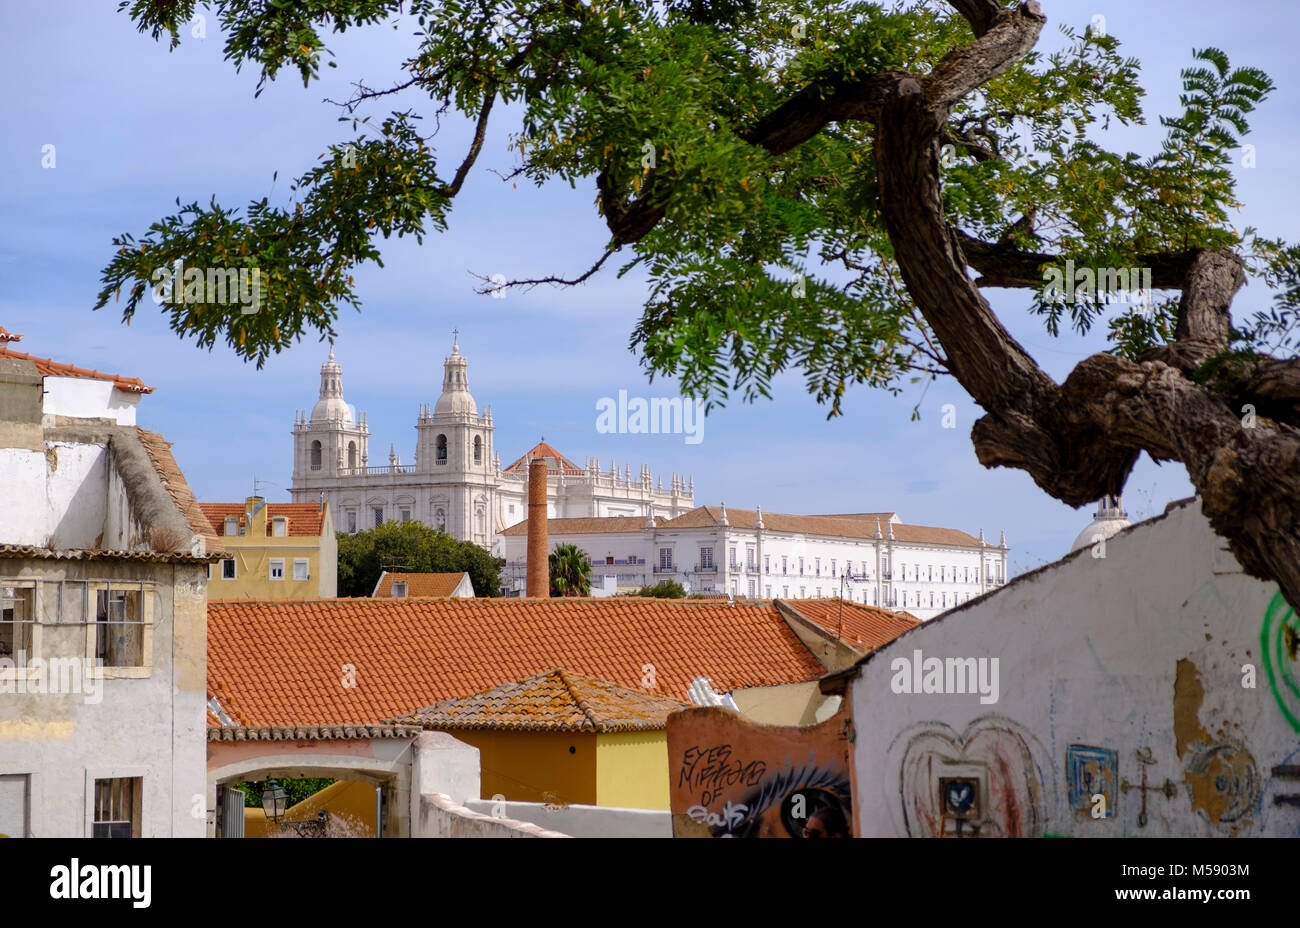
column 553, row 701
column 7, row 336
column 844, row 526
column 49, row 368
column 419, row 584
column 593, row 525
column 305, row 519
column 279, row 662
column 866, row 626
column 310, row 732
column 554, row 460
column 160, row 453
column 92, row 554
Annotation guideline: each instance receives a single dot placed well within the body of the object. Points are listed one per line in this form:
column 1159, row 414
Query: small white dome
column 1109, row 519
column 331, row 406
column 456, row 398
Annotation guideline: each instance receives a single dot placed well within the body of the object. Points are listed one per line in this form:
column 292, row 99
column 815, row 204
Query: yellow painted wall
column 349, row 803
column 632, row 770
column 531, row 766
column 254, row 551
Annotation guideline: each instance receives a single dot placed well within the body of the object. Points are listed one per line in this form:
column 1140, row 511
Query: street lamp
column 274, row 803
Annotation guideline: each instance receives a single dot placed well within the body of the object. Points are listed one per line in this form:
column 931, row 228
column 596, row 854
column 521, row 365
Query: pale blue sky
column 136, row 127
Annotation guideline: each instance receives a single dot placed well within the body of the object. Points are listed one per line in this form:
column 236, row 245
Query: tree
column 570, row 571
column 412, row 547
column 809, row 184
column 664, row 589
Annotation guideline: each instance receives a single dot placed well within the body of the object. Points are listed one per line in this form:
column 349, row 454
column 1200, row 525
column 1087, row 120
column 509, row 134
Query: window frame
column 270, row 571
column 305, row 564
column 147, row 590
column 234, row 568
column 26, row 671
column 139, row 809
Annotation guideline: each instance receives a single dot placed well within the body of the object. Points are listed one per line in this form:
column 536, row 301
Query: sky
column 135, row 127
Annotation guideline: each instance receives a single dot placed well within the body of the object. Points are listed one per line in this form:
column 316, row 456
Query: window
column 768, row 588
column 405, row 514
column 120, row 627
column 442, row 449
column 832, row 567
column 819, row 592
column 706, row 559
column 666, row 558
column 785, row 567
column 399, row 589
column 301, row 568
column 930, row 574
column 232, row 526
column 751, row 557
column 277, row 568
column 378, row 513
column 279, row 526
column 511, row 509
column 633, row 559
column 117, row 808
column 15, row 803
column 478, row 450
column 17, row 619
column 315, row 455
column 818, row 568
column 352, row 521
column 228, row 569
column 803, row 592
column 731, row 557
column 785, row 591
column 767, row 564
column 352, row 454
column 801, row 567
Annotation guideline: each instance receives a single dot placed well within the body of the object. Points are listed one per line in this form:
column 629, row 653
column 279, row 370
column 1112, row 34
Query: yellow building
column 563, row 738
column 278, row 550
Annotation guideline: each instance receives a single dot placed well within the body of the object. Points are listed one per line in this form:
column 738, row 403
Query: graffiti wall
column 733, row 778
column 1153, row 691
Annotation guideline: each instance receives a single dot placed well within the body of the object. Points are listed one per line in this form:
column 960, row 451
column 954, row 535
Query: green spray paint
column 1278, row 663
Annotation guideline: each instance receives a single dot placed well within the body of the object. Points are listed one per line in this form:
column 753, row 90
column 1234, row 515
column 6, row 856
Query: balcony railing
column 376, row 471
column 706, row 568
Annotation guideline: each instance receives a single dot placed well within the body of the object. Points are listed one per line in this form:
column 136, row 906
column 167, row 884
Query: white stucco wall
column 59, row 498
column 88, row 399
column 1139, row 653
column 580, row 821
column 149, row 725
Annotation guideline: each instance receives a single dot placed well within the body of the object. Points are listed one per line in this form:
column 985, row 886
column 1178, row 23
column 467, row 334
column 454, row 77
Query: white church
column 456, row 482
column 636, row 531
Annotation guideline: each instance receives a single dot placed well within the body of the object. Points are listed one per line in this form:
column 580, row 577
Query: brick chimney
column 539, row 572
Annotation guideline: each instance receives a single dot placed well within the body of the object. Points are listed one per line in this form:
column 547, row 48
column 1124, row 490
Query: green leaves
column 758, row 263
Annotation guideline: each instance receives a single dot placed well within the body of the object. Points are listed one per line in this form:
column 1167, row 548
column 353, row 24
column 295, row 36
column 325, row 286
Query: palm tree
column 570, row 571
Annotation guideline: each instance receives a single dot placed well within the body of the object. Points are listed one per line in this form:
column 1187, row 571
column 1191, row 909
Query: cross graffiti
column 1146, row 758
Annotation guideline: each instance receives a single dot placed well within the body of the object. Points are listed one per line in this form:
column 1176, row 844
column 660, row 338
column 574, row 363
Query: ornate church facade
column 456, row 482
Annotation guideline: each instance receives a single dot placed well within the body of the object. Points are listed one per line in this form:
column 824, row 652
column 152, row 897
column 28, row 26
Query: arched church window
column 352, row 454
column 478, row 449
column 442, row 448
column 315, row 455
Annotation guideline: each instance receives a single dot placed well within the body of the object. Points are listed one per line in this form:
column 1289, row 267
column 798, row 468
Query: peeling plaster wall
column 150, row 726
column 1121, row 707
column 55, row 498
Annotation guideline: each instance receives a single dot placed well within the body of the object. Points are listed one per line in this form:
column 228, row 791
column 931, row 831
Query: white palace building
column 635, row 531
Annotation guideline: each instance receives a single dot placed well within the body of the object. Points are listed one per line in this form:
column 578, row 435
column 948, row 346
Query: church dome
column 331, row 406
column 455, row 399
column 1109, row 519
